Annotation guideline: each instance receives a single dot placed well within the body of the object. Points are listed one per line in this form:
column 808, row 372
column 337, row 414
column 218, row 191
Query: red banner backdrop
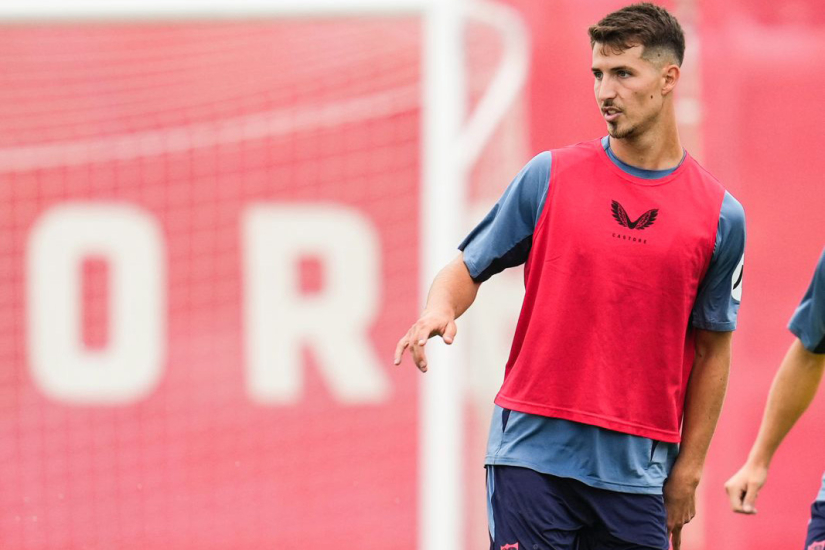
column 206, row 250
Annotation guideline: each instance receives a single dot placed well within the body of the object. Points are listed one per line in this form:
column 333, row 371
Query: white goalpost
column 451, row 141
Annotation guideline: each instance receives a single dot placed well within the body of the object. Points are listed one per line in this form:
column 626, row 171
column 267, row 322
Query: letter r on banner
column 334, row 322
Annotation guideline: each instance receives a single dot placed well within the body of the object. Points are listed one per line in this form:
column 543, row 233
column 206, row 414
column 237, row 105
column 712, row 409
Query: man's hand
column 451, row 293
column 744, row 487
column 431, row 323
column 680, row 503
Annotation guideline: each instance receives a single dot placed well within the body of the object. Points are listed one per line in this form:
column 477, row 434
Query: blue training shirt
column 595, row 456
column 808, row 321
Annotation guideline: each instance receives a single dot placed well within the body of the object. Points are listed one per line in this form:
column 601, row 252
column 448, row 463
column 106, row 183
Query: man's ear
column 670, row 77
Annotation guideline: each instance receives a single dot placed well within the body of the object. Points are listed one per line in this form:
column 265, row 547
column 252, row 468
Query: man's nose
column 605, row 90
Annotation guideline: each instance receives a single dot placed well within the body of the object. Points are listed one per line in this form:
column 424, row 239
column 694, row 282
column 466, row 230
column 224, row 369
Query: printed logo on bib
column 736, row 280
column 643, row 221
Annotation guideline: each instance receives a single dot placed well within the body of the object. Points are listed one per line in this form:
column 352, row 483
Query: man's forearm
column 792, row 391
column 452, row 292
column 453, row 289
column 703, row 402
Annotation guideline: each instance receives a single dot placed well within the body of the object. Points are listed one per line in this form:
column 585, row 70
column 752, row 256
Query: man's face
column 628, row 90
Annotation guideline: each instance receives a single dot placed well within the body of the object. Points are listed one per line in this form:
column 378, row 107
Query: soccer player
column 792, row 391
column 633, row 271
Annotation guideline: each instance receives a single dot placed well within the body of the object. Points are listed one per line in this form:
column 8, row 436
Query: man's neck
column 653, row 150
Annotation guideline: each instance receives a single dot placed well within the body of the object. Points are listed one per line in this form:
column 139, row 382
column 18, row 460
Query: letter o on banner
column 131, row 242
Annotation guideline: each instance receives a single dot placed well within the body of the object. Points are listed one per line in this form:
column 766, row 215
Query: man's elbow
column 806, row 358
column 712, row 344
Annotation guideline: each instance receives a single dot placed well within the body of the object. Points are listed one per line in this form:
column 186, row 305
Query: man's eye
column 623, row 74
column 598, row 76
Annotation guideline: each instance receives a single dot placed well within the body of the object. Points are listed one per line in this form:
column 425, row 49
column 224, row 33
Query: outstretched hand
column 431, row 323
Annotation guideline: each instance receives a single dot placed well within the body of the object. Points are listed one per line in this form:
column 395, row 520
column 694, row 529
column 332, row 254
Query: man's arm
column 703, row 403
column 453, row 291
column 502, row 239
column 793, row 389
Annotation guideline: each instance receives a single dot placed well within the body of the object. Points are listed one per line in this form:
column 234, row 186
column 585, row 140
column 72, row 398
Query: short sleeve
column 717, row 302
column 808, row 321
column 504, row 237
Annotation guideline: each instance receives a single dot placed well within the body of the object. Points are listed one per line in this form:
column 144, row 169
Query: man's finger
column 749, row 502
column 399, row 350
column 420, row 336
column 676, row 538
column 450, row 332
column 423, row 334
column 417, row 350
column 735, row 496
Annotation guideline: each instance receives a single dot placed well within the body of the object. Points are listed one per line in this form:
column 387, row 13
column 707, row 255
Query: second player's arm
column 792, row 391
column 452, row 292
column 703, row 404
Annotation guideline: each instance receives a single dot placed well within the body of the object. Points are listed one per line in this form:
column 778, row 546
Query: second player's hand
column 680, row 504
column 744, row 486
column 431, row 323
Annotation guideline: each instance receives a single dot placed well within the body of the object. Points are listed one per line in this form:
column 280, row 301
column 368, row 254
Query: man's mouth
column 610, row 113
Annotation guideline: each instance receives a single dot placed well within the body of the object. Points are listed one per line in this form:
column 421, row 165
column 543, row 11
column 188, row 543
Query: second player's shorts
column 530, row 511
column 816, row 529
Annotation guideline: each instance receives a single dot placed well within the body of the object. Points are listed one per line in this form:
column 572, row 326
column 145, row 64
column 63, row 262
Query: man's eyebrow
column 612, row 69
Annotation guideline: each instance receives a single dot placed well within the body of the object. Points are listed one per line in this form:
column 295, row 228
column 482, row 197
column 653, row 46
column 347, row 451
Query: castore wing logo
column 621, row 217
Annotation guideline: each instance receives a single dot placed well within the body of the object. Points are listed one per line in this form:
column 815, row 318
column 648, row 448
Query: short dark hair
column 644, row 24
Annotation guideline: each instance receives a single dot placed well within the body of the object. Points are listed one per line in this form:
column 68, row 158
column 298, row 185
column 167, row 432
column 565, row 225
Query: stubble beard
column 629, row 130
column 616, row 132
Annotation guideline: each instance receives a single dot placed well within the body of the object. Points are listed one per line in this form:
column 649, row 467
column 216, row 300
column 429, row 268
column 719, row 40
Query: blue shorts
column 529, row 510
column 816, row 528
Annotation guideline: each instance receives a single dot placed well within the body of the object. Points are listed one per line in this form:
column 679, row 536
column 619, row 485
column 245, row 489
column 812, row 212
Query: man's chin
column 616, row 132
